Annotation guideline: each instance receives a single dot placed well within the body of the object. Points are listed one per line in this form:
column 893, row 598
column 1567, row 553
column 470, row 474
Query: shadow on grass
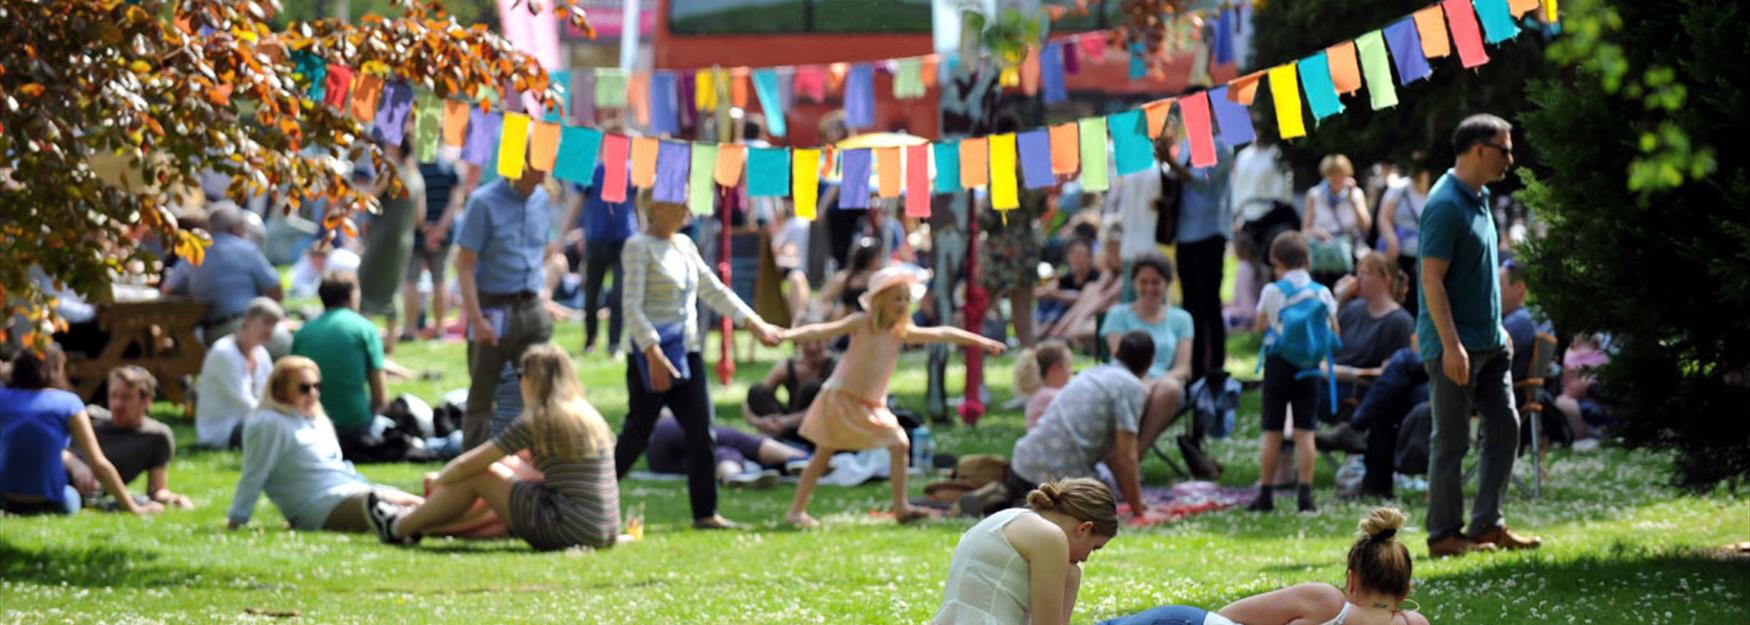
column 94, row 566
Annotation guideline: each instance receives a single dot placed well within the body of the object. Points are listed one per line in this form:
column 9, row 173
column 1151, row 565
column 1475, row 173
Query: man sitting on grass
column 132, row 441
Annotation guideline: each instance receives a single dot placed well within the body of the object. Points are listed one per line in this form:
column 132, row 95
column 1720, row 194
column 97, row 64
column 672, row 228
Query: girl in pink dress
column 850, row 413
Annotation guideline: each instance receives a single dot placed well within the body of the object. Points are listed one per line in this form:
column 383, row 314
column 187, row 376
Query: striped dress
column 577, row 504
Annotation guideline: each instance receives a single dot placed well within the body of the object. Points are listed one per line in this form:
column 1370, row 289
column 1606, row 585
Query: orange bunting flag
column 455, row 123
column 1065, row 153
column 1157, row 115
column 644, row 151
column 1244, row 90
column 731, row 158
column 1466, row 32
column 366, row 92
column 543, row 145
column 887, row 172
column 738, row 87
column 974, row 163
column 1345, row 67
column 638, row 96
column 1030, row 72
column 1521, row 7
column 1432, row 30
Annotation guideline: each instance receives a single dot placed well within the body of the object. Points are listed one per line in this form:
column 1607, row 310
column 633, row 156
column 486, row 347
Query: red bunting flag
column 1195, row 109
column 1466, row 32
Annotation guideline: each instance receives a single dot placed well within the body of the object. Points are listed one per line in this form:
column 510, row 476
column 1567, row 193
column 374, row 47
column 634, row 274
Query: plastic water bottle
column 923, row 450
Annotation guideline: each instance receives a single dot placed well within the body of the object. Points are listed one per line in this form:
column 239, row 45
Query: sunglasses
column 1505, row 151
column 306, row 388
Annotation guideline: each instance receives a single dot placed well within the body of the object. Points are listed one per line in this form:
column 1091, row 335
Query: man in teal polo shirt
column 349, row 352
column 1463, row 346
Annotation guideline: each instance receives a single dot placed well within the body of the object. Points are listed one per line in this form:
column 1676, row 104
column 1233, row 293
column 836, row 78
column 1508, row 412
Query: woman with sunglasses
column 290, row 452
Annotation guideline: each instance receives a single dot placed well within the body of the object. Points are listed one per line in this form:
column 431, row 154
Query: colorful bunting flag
column 366, row 91
column 887, row 172
column 1549, row 12
column 1377, row 68
column 731, row 160
column 482, row 136
column 704, row 90
column 1093, row 140
column 1521, row 7
column 765, row 86
column 1431, row 31
column 543, row 145
column 854, row 185
column 559, row 81
column 1224, row 36
column 513, row 146
column 917, row 181
column 701, row 194
column 583, row 98
column 1132, row 149
column 673, row 159
column 738, row 87
column 336, row 86
column 638, row 97
column 1406, row 49
column 1051, row 73
column 947, row 165
column 1234, row 119
column 1345, row 68
column 974, row 162
column 1034, row 147
column 908, row 78
column 614, row 149
column 664, row 97
column 805, row 182
column 1065, row 148
column 397, row 106
column 1315, row 78
column 644, row 153
column 578, row 146
column 1195, row 110
column 427, row 127
column 610, row 88
column 768, row 172
column 1286, row 96
column 1003, row 192
column 1497, row 20
column 1157, row 112
column 1030, row 72
column 1244, row 90
column 1072, row 59
column 1465, row 33
column 811, row 82
column 860, row 96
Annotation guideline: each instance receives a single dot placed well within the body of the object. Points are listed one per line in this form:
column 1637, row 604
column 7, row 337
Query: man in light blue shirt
column 500, row 250
column 234, row 272
column 1205, row 226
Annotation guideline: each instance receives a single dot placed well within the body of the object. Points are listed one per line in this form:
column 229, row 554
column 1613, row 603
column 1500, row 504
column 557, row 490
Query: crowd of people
column 1385, row 306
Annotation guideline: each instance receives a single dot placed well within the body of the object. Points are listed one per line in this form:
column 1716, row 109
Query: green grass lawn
column 1620, row 547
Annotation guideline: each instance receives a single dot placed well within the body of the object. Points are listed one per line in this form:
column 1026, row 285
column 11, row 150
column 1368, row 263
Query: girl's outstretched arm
column 951, row 334
column 823, row 331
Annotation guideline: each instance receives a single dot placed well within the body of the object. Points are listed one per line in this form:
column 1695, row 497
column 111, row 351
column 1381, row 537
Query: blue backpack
column 1302, row 334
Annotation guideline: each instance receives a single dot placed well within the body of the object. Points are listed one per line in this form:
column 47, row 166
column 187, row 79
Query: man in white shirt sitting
column 234, row 375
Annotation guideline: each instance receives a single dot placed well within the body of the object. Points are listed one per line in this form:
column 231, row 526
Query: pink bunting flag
column 614, row 148
column 1462, row 17
column 811, row 82
column 917, row 181
column 1195, row 109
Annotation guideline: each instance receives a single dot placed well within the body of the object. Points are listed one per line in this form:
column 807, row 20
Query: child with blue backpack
column 1299, row 318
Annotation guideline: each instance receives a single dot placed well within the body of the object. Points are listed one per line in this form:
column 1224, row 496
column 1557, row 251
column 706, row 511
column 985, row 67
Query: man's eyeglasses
column 1505, row 151
column 306, row 388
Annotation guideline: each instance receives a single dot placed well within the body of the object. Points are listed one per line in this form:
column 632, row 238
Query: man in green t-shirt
column 349, row 352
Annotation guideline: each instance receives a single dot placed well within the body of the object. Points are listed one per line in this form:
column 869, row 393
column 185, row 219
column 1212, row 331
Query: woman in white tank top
column 1021, row 566
column 1377, row 585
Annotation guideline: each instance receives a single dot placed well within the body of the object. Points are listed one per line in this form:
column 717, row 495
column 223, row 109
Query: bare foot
column 909, row 514
column 802, row 521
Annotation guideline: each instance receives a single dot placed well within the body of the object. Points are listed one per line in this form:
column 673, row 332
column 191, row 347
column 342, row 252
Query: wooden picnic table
column 149, row 331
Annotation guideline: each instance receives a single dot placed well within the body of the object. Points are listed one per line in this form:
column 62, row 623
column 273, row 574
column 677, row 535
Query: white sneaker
column 1586, row 444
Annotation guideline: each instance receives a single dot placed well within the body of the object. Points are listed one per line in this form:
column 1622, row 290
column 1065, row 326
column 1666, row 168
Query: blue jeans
column 1164, row 615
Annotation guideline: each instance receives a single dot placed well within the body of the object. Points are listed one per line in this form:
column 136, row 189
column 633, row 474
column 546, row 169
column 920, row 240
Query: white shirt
column 228, row 392
column 305, row 278
column 988, row 581
column 1258, row 180
column 1133, row 198
column 1337, row 220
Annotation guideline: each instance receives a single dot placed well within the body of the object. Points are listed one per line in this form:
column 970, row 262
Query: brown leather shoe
column 1456, row 545
column 1507, row 539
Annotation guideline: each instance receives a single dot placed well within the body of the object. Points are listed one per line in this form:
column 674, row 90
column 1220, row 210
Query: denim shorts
column 1171, row 615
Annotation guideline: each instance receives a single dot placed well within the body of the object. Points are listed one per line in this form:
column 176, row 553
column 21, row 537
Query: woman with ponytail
column 1022, row 565
column 1374, row 590
column 1040, row 372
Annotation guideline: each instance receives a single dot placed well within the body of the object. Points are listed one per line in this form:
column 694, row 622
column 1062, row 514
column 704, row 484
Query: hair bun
column 1045, row 497
column 1383, row 523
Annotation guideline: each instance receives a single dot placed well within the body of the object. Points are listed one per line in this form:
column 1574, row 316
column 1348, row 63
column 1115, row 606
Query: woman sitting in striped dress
column 579, row 501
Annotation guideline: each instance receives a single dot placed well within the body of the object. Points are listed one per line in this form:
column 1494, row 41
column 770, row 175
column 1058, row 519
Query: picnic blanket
column 1187, row 499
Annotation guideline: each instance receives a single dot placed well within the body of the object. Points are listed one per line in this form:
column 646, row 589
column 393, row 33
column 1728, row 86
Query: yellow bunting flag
column 704, row 90
column 1004, row 195
column 543, row 146
column 804, row 181
column 513, row 145
column 1285, row 93
column 644, row 151
column 1549, row 11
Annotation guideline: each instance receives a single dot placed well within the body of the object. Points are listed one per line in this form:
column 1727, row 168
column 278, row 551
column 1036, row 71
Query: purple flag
column 684, row 101
column 854, row 191
column 391, row 122
column 1051, row 74
column 583, row 96
column 1224, row 36
column 860, row 96
column 1035, row 149
column 1072, row 60
column 663, row 102
column 673, row 160
column 1234, row 119
column 1406, row 48
column 482, row 143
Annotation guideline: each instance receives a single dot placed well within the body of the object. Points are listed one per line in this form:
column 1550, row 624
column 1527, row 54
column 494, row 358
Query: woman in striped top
column 577, row 504
column 665, row 279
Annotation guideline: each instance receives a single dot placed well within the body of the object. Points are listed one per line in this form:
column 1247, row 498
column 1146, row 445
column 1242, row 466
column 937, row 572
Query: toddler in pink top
column 850, row 413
